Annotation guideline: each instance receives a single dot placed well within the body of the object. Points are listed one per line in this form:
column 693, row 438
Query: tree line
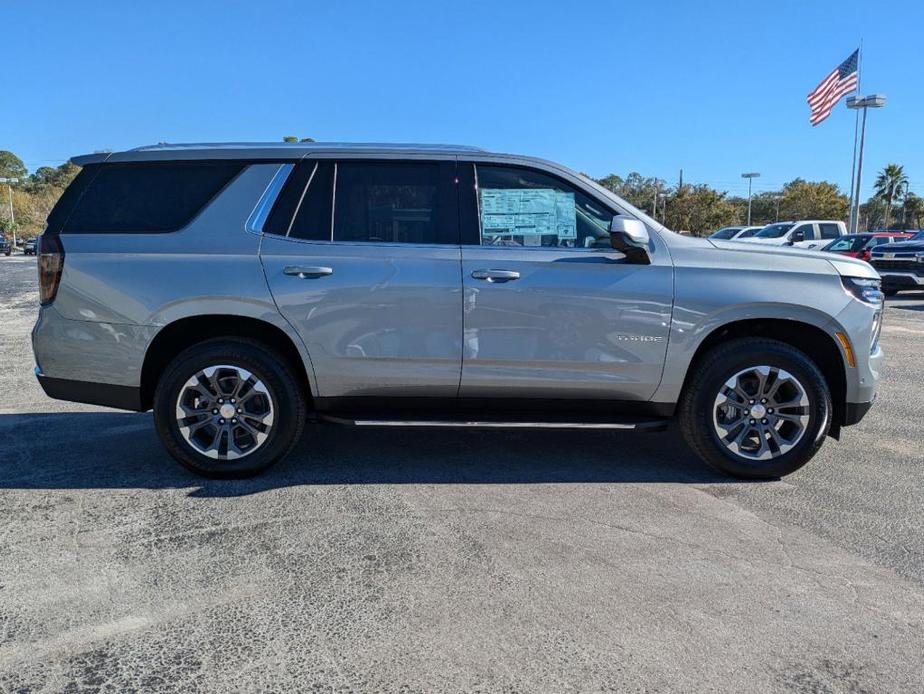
column 701, row 209
column 697, row 208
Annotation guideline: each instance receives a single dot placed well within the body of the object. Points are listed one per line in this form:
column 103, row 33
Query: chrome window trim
column 261, row 211
column 333, row 204
column 300, row 199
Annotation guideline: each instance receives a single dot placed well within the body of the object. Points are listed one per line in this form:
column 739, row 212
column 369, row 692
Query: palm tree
column 914, row 208
column 890, row 185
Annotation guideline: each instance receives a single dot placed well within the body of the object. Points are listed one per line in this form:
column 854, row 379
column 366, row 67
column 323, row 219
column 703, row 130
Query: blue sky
column 716, row 88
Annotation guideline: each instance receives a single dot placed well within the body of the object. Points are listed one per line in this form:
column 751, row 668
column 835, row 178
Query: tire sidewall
column 820, row 408
column 264, row 365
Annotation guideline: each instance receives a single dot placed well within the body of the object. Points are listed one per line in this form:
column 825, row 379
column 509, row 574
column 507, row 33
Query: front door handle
column 496, row 275
column 304, row 272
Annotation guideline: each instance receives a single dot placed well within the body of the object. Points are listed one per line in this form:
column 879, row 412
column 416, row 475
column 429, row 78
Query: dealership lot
column 457, row 561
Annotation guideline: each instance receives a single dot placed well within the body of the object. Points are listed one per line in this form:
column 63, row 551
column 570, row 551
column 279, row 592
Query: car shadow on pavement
column 115, row 450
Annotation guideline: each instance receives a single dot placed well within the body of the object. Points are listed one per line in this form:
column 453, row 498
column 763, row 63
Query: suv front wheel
column 756, row 408
column 228, row 408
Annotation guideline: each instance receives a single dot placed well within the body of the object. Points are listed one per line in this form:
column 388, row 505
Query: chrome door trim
column 300, row 199
column 261, row 211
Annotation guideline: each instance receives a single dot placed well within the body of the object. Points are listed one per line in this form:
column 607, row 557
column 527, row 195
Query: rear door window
column 149, row 197
column 829, row 231
column 395, row 202
column 302, row 209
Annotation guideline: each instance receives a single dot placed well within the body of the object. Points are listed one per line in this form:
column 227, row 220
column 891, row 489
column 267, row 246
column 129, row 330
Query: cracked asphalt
column 460, row 561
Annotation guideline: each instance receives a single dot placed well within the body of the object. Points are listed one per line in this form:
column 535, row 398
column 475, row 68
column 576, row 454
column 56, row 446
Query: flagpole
column 852, row 221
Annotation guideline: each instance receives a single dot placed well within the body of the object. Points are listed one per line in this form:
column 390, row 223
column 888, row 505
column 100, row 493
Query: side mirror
column 796, row 237
column 630, row 236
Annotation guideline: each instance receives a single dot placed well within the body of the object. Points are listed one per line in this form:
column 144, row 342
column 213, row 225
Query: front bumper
column 855, row 411
column 902, row 280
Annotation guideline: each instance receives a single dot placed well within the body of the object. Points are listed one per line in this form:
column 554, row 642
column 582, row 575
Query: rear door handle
column 304, row 272
column 496, row 275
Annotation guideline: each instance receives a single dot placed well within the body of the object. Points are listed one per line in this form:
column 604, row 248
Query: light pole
column 865, row 103
column 777, row 199
column 750, row 176
column 663, row 197
column 9, row 184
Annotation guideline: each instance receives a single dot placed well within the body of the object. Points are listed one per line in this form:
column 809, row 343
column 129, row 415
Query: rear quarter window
column 147, row 198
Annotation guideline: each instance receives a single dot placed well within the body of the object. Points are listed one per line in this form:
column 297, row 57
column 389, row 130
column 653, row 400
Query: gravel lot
column 460, row 561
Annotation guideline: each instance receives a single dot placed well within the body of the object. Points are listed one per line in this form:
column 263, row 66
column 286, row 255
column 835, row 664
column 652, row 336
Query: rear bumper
column 107, row 395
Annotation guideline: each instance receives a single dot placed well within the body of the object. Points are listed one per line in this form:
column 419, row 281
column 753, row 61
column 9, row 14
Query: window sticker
column 527, row 212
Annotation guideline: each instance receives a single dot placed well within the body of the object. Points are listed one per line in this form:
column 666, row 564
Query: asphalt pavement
column 455, row 561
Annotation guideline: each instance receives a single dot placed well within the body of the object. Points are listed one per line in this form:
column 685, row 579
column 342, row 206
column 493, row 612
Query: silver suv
column 241, row 289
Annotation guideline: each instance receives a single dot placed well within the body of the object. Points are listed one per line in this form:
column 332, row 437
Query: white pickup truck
column 810, row 233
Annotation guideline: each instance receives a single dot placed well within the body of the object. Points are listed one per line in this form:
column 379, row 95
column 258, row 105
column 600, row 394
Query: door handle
column 496, row 275
column 304, row 272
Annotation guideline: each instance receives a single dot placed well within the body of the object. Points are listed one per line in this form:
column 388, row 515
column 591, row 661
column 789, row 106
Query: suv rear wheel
column 756, row 408
column 228, row 408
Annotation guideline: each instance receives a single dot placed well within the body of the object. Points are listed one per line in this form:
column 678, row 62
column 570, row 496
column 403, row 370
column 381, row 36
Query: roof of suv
column 266, row 150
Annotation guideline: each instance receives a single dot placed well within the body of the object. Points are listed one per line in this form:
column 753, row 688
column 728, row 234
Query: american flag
column 842, row 80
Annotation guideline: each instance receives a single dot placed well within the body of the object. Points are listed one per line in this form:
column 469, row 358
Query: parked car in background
column 732, row 233
column 5, row 247
column 861, row 245
column 29, row 246
column 810, row 233
column 900, row 264
column 256, row 286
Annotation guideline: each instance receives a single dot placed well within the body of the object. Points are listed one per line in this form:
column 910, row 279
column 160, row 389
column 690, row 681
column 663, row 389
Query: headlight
column 876, row 332
column 920, row 257
column 864, row 289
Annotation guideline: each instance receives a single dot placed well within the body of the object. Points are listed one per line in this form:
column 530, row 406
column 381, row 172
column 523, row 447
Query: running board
column 625, row 425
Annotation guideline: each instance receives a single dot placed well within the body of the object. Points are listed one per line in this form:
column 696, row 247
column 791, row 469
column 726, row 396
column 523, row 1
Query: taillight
column 865, row 255
column 50, row 266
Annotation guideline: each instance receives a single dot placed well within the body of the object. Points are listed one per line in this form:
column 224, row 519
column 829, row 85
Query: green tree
column 11, row 166
column 293, row 138
column 812, row 200
column 52, row 176
column 914, row 210
column 890, row 186
column 635, row 189
column 699, row 209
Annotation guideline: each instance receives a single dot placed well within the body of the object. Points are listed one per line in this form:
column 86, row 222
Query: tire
column 700, row 413
column 273, row 395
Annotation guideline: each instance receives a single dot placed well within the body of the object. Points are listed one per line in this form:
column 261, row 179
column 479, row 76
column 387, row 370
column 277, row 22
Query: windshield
column 848, row 243
column 918, row 237
column 774, row 231
column 726, row 233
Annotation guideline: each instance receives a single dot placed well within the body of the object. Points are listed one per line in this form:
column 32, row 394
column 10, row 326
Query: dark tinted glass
column 68, row 200
column 312, row 217
column 148, row 197
column 725, row 233
column 392, row 202
column 281, row 214
column 829, row 231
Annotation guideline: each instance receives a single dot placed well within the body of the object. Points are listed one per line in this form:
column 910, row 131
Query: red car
column 861, row 245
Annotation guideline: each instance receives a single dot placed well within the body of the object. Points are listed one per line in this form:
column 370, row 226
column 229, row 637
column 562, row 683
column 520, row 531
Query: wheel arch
column 182, row 333
column 815, row 342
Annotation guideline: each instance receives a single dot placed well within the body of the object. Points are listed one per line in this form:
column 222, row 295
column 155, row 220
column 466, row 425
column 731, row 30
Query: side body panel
column 118, row 290
column 387, row 320
column 578, row 323
column 718, row 286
